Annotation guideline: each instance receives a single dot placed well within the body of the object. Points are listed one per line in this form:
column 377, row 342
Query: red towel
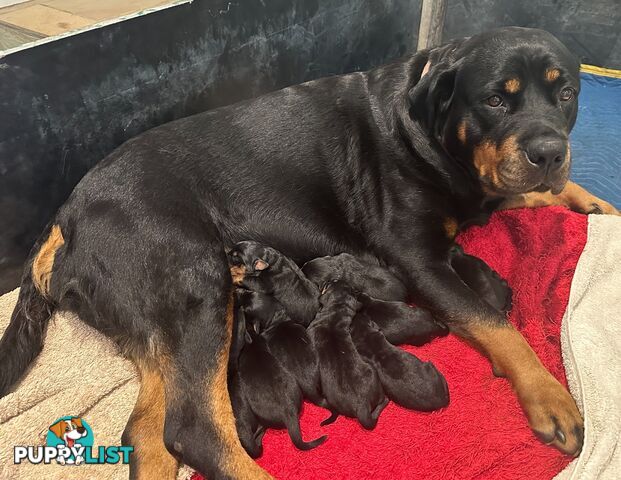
column 483, row 433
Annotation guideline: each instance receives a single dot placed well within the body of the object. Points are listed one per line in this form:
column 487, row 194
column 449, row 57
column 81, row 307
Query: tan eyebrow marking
column 552, row 74
column 461, row 132
column 512, row 85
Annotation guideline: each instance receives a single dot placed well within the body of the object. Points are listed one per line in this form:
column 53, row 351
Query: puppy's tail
column 23, row 339
column 296, row 437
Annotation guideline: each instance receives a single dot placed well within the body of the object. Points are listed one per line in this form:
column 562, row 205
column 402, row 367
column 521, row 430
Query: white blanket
column 591, row 343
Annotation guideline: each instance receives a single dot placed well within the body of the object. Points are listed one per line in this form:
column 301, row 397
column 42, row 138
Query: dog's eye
column 566, row 94
column 494, row 101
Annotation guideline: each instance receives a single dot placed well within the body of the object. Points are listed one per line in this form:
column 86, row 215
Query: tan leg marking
column 145, row 429
column 573, row 196
column 234, row 460
column 43, row 263
column 546, row 403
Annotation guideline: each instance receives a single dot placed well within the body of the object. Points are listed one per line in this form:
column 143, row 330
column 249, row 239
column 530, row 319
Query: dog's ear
column 77, row 421
column 58, row 428
column 260, row 265
column 430, row 98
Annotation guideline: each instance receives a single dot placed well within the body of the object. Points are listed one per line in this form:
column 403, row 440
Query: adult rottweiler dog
column 389, row 162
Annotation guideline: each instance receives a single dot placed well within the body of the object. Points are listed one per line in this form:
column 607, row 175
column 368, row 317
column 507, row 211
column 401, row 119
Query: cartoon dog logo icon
column 69, row 431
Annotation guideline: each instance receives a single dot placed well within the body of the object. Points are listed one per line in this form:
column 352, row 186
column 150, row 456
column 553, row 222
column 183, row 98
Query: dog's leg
column 573, row 196
column 145, row 429
column 200, row 426
column 550, row 409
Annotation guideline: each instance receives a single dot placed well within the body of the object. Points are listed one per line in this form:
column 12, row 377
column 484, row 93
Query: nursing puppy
column 259, row 308
column 272, row 392
column 249, row 430
column 287, row 341
column 405, row 379
column 382, row 296
column 401, row 323
column 362, row 275
column 263, row 269
column 349, row 384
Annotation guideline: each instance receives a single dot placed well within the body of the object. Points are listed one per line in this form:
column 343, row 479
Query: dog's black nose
column 547, row 152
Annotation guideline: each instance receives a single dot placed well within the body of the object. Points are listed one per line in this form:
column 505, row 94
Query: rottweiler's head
column 504, row 102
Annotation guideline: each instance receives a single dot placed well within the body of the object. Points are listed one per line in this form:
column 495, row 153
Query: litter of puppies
column 325, row 333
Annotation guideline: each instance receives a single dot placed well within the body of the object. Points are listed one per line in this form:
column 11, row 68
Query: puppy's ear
column 260, row 265
column 58, row 428
column 77, row 421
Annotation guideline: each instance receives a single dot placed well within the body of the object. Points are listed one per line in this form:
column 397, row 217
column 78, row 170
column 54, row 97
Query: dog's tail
column 296, row 436
column 23, row 339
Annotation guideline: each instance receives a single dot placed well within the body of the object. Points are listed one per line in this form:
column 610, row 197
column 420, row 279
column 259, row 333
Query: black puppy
column 259, row 308
column 263, row 269
column 362, row 275
column 406, row 380
column 400, row 323
column 382, row 297
column 272, row 392
column 481, row 278
column 349, row 384
column 249, row 429
column 286, row 340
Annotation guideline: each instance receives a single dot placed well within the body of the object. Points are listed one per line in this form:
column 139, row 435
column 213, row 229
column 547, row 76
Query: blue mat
column 596, row 139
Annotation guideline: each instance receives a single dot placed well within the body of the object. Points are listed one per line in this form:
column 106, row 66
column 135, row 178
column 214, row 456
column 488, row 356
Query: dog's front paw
column 60, row 460
column 79, row 459
column 602, row 208
column 553, row 415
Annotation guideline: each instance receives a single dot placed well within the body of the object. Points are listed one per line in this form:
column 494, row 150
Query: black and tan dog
column 390, row 162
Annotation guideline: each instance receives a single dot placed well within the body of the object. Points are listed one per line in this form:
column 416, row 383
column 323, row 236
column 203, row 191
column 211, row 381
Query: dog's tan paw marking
column 553, row 415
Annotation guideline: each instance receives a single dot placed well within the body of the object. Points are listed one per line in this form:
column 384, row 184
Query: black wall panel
column 66, row 104
column 590, row 28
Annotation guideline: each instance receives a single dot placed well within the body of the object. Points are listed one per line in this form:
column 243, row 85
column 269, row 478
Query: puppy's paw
column 553, row 415
column 503, row 295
